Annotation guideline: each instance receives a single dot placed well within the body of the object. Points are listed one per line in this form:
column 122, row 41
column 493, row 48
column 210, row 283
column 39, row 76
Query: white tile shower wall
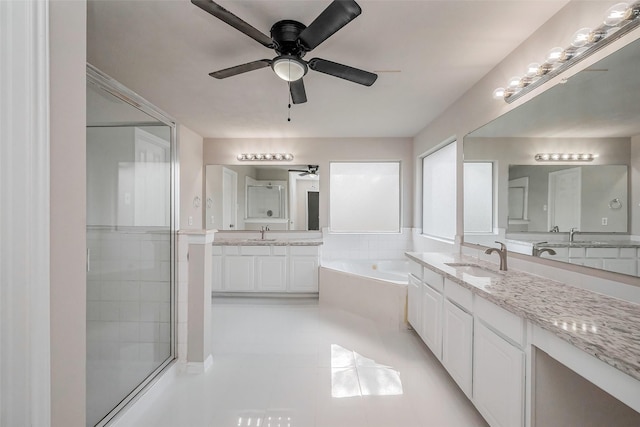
column 128, row 296
column 365, row 246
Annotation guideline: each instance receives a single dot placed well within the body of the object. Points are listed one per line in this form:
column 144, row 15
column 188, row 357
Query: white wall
column 635, row 189
column 322, row 151
column 68, row 211
column 191, row 179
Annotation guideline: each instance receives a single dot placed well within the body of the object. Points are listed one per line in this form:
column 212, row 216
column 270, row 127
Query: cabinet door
column 303, row 274
column 216, row 273
column 432, row 319
column 238, row 273
column 457, row 345
column 271, row 273
column 498, row 378
column 414, row 304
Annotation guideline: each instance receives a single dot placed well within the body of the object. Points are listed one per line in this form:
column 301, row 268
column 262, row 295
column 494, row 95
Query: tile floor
column 293, row 363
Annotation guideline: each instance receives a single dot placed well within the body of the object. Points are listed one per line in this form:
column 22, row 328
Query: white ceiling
column 164, row 50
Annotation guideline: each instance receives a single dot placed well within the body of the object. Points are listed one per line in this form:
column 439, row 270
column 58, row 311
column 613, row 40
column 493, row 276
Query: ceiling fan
column 292, row 40
column 311, row 170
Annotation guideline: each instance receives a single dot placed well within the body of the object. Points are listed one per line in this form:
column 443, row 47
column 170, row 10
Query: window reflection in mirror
column 248, row 197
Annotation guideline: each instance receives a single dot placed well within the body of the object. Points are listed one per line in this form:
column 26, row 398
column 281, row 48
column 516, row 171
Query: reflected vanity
column 534, row 201
column 251, row 197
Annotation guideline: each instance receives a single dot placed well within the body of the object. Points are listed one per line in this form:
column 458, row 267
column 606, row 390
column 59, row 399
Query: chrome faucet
column 538, row 252
column 572, row 231
column 555, row 229
column 262, row 231
column 502, row 252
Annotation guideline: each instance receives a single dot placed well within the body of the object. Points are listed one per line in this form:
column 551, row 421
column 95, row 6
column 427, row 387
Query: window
column 478, row 197
column 439, row 193
column 364, row 197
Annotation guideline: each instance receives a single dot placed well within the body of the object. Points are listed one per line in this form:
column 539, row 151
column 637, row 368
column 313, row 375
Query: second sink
column 473, row 269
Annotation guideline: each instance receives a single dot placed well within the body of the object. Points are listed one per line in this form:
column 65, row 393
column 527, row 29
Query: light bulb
column 581, row 37
column 544, row 69
column 289, row 69
column 575, row 157
column 545, row 157
column 532, row 69
column 615, row 14
column 268, row 156
column 554, row 55
column 240, row 157
column 567, row 54
column 498, row 93
column 259, row 156
column 565, row 157
column 555, row 157
column 514, row 81
column 288, row 156
column 278, row 156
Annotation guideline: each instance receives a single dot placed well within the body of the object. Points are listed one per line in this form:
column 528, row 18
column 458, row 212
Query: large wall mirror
column 281, row 197
column 536, row 203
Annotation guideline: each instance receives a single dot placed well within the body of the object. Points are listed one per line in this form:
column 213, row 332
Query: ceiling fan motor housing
column 285, row 33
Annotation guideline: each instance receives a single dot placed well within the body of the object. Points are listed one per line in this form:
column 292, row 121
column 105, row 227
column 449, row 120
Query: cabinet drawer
column 415, row 269
column 304, row 250
column 255, row 250
column 433, row 279
column 602, row 252
column 627, row 252
column 232, row 250
column 216, row 250
column 278, row 250
column 459, row 295
column 500, row 320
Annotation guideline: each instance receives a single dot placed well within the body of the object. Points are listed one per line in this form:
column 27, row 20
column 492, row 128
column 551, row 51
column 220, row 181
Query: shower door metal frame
column 104, row 82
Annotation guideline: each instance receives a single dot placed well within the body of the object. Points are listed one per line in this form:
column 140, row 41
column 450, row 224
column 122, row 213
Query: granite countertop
column 267, row 242
column 589, row 244
column 604, row 327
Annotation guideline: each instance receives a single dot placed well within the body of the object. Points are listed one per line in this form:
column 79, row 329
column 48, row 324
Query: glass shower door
column 129, row 243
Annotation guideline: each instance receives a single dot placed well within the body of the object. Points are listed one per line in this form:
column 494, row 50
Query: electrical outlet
column 604, row 221
column 544, row 208
column 190, row 220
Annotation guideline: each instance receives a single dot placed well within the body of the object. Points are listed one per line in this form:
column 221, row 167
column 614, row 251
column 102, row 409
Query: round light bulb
column 498, row 93
column 278, row 156
column 514, row 81
column 615, row 14
column 545, row 157
column 241, row 157
column 581, row 37
column 251, row 157
column 268, row 156
column 288, row 156
column 532, row 69
column 555, row 157
column 575, row 157
column 554, row 55
column 565, row 157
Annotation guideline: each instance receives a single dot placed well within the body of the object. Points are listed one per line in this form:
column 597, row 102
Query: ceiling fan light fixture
column 289, row 68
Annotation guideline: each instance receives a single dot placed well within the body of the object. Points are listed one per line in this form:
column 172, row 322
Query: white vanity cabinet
column 414, row 303
column 265, row 268
column 498, row 365
column 457, row 334
column 303, row 268
column 432, row 319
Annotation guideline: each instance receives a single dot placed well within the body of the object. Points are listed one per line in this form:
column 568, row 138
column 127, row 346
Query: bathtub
column 375, row 289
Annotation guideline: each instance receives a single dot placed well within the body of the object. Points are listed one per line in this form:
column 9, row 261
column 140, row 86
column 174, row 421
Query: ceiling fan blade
column 298, row 94
column 224, row 15
column 343, row 71
column 338, row 14
column 239, row 69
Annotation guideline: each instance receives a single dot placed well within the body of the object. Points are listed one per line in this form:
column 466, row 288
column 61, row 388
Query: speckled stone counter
column 589, row 244
column 267, row 242
column 602, row 326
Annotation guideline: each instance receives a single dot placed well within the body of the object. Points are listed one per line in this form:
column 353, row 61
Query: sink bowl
column 474, row 270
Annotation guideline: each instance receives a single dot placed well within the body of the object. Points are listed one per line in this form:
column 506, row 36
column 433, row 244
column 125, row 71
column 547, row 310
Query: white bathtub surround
column 376, row 290
column 365, row 246
column 281, row 365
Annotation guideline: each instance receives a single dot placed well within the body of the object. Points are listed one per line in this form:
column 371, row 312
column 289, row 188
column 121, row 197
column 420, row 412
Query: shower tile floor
column 294, row 363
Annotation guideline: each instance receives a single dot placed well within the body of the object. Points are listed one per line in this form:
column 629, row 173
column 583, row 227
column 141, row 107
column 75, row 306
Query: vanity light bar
column 265, row 156
column 619, row 20
column 565, row 157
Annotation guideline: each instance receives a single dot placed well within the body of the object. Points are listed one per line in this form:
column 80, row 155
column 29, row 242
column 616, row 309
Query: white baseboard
column 197, row 367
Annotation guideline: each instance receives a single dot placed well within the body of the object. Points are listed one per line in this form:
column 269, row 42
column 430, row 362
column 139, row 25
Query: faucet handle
column 503, row 247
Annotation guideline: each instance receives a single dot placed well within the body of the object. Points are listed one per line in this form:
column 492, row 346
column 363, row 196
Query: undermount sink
column 473, row 270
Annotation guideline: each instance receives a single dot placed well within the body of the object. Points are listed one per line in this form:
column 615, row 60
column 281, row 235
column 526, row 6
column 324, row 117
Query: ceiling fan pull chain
column 289, row 110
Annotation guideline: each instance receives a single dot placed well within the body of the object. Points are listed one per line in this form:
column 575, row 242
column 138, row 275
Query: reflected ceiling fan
column 292, row 40
column 311, row 170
